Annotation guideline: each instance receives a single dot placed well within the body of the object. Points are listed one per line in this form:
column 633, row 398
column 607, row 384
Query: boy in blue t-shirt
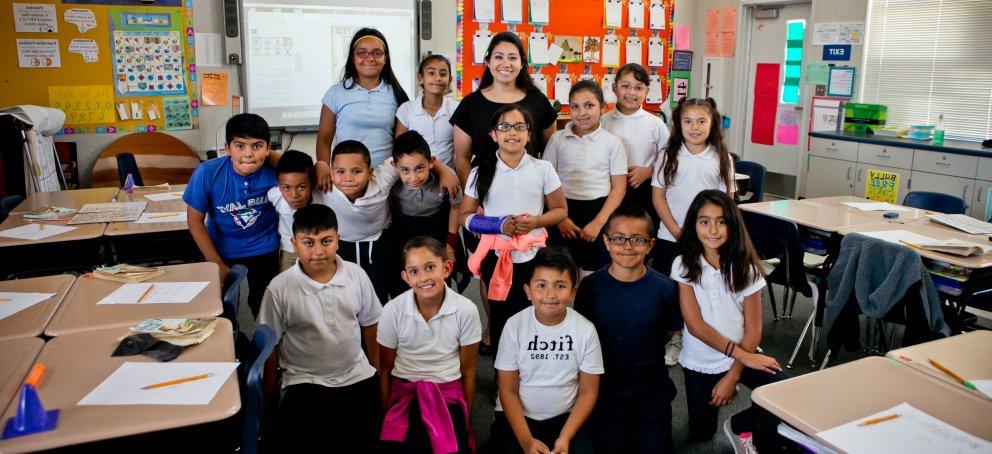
column 229, row 213
column 635, row 310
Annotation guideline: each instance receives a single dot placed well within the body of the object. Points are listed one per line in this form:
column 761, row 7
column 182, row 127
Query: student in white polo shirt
column 644, row 134
column 322, row 310
column 428, row 344
column 429, row 113
column 592, row 166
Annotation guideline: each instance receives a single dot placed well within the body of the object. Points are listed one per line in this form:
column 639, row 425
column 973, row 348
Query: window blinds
column 927, row 57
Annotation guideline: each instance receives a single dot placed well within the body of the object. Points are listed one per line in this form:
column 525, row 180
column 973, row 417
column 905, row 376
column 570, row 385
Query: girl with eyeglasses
column 362, row 106
column 512, row 188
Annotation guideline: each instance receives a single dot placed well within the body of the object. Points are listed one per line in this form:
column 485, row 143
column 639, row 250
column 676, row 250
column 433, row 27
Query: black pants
column 503, row 440
column 417, row 439
column 662, row 255
column 373, row 257
column 516, row 300
column 261, row 270
column 638, row 422
column 703, row 416
column 641, row 197
column 589, row 256
column 403, row 229
column 347, row 418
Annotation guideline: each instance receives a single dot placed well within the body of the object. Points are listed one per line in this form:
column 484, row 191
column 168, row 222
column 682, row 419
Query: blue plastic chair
column 936, row 201
column 755, row 183
column 7, row 204
column 232, row 293
column 736, row 157
column 264, row 340
column 127, row 165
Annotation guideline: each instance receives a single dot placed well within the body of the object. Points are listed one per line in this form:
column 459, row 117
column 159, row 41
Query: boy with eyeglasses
column 635, row 310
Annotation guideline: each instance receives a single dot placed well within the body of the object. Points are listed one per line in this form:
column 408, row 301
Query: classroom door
column 774, row 111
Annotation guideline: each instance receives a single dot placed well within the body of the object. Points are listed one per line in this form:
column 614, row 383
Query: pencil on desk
column 147, row 291
column 162, row 215
column 178, row 381
column 950, row 373
column 4, row 299
column 878, row 420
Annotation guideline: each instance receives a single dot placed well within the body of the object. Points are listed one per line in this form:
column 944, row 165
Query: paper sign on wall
column 683, row 37
column 35, row 18
column 85, row 47
column 480, row 42
column 82, row 18
column 728, row 20
column 611, row 50
column 513, row 11
column 563, row 84
column 591, row 46
column 882, row 186
column 38, row 53
column 177, row 113
column 83, row 104
column 538, row 53
column 838, row 33
column 485, row 10
column 816, row 73
column 539, row 13
column 656, row 51
column 609, row 96
column 765, row 103
column 214, row 88
column 541, row 82
column 654, row 90
column 634, row 50
column 635, row 14
column 657, row 15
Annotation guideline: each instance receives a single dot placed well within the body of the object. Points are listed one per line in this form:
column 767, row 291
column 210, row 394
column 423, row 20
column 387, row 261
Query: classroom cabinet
column 981, row 208
column 861, row 179
column 829, row 177
column 932, row 182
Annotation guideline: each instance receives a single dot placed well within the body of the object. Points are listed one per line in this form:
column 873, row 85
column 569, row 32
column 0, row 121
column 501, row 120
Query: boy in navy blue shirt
column 229, row 213
column 635, row 310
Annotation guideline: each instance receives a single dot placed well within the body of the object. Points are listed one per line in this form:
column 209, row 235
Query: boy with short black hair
column 549, row 362
column 323, row 309
column 635, row 310
column 297, row 178
column 228, row 211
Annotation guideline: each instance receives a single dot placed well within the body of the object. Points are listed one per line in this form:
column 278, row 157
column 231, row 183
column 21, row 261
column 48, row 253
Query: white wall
column 208, row 18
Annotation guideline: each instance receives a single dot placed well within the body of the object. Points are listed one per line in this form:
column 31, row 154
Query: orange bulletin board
column 91, row 79
column 577, row 18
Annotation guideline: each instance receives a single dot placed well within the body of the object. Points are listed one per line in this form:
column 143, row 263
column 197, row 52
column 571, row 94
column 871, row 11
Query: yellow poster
column 84, row 104
column 882, row 186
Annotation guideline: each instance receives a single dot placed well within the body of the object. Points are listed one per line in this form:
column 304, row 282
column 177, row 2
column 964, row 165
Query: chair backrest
column 127, row 165
column 264, row 341
column 232, row 293
column 756, row 179
column 778, row 238
column 736, row 157
column 161, row 157
column 7, row 204
column 936, row 201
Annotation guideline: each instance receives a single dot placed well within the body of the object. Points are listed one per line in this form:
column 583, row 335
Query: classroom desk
column 69, row 199
column 966, row 354
column 826, row 218
column 32, row 321
column 938, row 232
column 840, row 394
column 16, row 358
column 137, row 195
column 838, row 202
column 80, row 311
column 77, row 363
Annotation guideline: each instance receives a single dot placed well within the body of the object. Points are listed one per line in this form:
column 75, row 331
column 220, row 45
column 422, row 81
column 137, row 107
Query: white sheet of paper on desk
column 14, row 302
column 162, row 293
column 123, row 387
column 35, row 231
column 912, row 432
column 983, row 386
column 876, row 206
column 163, row 196
column 151, row 218
column 898, row 236
column 113, row 207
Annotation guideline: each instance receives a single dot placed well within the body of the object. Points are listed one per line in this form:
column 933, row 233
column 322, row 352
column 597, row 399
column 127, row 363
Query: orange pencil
column 34, row 376
column 144, row 295
column 878, row 420
column 949, row 373
column 177, row 381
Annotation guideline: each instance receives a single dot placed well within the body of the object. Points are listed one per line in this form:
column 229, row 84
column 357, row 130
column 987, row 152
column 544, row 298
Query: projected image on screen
column 295, row 52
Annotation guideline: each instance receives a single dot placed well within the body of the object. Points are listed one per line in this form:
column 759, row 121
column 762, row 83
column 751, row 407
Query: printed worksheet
column 35, row 231
column 155, row 293
column 14, row 302
column 163, row 196
column 126, row 386
column 911, row 431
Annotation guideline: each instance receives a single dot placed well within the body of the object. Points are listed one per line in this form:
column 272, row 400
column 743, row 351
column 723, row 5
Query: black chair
column 127, row 165
column 736, row 157
column 755, row 183
column 936, row 201
column 778, row 239
column 232, row 293
column 7, row 205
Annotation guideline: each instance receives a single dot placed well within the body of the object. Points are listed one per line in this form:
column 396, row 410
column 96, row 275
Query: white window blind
column 927, row 57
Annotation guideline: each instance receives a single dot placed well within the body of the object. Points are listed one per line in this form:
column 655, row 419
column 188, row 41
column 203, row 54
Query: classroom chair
column 777, row 240
column 232, row 293
column 7, row 205
column 936, row 201
column 736, row 157
column 161, row 157
column 755, row 182
column 253, row 399
column 127, row 165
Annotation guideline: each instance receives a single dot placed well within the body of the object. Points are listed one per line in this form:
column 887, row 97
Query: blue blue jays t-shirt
column 240, row 219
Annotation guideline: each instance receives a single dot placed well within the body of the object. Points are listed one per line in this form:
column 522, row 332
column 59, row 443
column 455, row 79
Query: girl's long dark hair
column 351, row 72
column 715, row 140
column 739, row 262
column 523, row 81
column 486, row 162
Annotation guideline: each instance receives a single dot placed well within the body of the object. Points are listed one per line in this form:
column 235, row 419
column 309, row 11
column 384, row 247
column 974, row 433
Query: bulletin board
column 101, row 61
column 579, row 18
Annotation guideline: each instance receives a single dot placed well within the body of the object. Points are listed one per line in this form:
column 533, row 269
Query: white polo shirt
column 644, row 135
column 585, row 164
column 429, row 350
column 319, row 325
column 436, row 129
column 286, row 213
column 549, row 359
column 517, row 191
column 721, row 308
column 365, row 219
column 696, row 173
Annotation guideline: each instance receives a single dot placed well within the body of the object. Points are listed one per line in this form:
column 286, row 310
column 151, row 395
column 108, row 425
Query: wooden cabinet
column 829, row 177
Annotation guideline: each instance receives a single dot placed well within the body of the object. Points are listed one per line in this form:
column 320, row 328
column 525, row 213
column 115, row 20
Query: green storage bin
column 864, row 118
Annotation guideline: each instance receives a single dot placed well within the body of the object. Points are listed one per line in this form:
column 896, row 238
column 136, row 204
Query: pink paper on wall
column 683, row 37
column 765, row 103
column 787, row 134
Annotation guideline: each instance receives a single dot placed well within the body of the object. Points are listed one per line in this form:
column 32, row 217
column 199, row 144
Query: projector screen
column 296, row 49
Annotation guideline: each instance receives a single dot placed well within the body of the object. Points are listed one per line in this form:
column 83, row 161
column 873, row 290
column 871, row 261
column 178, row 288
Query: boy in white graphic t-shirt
column 549, row 362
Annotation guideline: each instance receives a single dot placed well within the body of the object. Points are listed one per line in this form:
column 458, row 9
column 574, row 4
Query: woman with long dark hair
column 362, row 106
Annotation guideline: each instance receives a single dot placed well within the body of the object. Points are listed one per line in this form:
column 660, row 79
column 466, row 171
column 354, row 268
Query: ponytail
column 677, row 139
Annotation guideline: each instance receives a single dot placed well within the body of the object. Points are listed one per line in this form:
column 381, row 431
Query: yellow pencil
column 878, row 420
column 162, row 215
column 144, row 295
column 951, row 374
column 178, row 381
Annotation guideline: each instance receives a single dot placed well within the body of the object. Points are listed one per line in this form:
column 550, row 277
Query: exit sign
column 837, row 52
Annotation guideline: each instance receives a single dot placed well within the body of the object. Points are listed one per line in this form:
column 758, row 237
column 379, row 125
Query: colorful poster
column 882, row 186
column 572, row 47
column 147, row 50
column 35, row 18
column 590, row 49
column 766, row 80
column 38, row 53
column 177, row 113
column 83, row 104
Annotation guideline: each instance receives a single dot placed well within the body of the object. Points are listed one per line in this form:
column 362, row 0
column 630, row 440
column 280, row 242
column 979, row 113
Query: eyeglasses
column 619, row 240
column 375, row 53
column 636, row 88
column 504, row 127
